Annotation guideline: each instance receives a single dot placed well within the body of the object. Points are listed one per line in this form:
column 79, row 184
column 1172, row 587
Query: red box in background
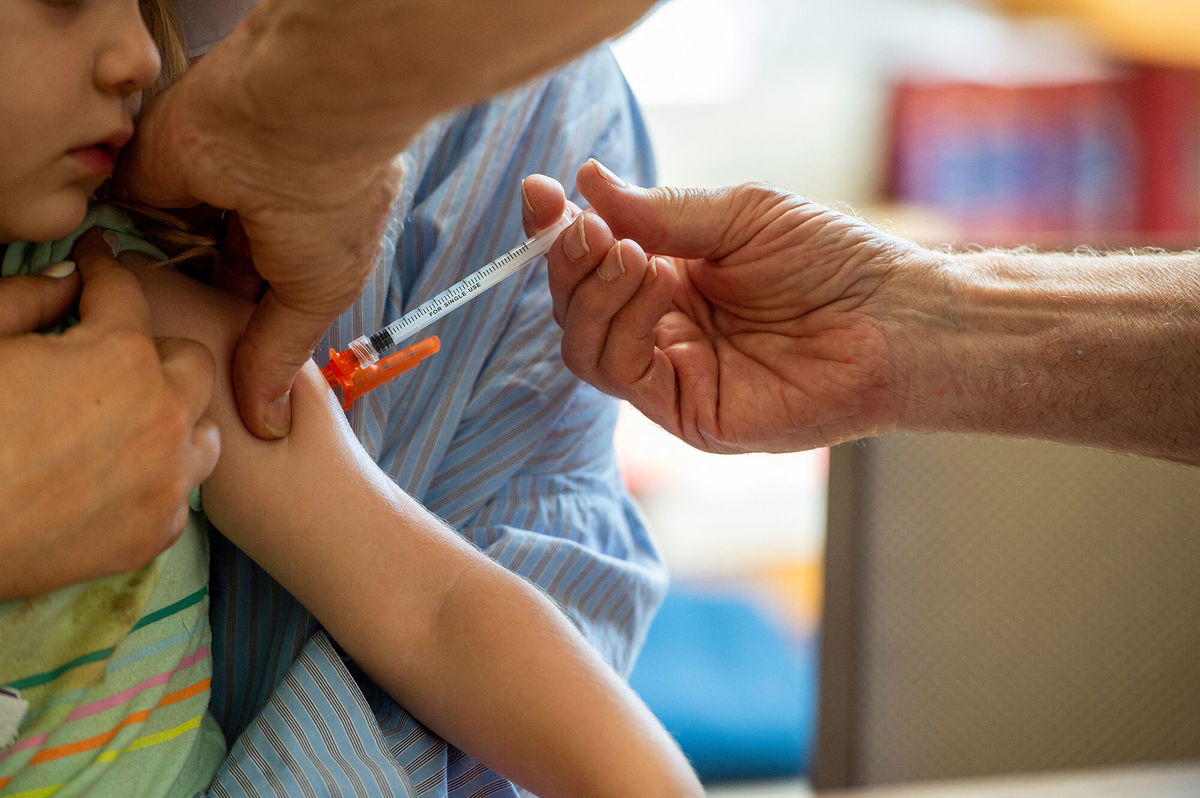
column 1164, row 105
column 1077, row 160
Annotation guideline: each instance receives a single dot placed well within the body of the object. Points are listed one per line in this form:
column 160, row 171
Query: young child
column 113, row 674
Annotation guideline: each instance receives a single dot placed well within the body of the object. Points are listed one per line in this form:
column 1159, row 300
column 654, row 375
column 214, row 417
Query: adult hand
column 313, row 230
column 758, row 325
column 104, row 429
column 294, row 122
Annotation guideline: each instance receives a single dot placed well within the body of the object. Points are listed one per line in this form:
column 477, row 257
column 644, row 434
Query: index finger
column 112, row 298
column 542, row 203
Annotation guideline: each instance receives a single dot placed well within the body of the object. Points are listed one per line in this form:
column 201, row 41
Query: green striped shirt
column 117, row 670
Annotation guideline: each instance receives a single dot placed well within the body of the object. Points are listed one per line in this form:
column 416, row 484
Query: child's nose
column 128, row 61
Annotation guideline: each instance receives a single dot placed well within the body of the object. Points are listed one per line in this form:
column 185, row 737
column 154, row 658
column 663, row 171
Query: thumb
column 277, row 342
column 682, row 222
column 30, row 303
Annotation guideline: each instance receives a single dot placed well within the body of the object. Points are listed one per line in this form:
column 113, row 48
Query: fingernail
column 610, row 270
column 576, row 245
column 608, row 174
column 525, row 200
column 651, row 269
column 64, row 268
column 279, row 415
column 114, row 243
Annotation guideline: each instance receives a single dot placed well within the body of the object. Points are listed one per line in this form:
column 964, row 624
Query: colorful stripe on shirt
column 122, row 719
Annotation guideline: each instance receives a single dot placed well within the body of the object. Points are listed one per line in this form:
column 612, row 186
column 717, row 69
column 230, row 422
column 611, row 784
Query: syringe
column 348, row 367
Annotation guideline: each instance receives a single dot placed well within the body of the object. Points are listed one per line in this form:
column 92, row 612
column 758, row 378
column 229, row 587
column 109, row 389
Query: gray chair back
column 999, row 606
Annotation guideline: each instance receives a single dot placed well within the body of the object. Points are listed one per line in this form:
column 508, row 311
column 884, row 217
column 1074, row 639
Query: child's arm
column 473, row 651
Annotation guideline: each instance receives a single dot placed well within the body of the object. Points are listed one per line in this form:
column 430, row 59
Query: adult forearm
column 1095, row 350
column 358, row 78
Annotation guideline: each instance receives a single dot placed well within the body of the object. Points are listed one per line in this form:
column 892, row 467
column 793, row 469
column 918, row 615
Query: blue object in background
column 731, row 684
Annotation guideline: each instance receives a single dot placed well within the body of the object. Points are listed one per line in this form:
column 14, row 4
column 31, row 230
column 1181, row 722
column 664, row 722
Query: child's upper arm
column 313, row 508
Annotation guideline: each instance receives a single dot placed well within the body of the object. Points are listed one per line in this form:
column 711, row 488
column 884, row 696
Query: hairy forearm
column 315, row 98
column 357, row 78
column 1095, row 350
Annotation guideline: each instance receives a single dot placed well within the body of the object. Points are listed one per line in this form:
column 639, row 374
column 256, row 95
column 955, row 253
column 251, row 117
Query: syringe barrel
column 364, row 350
column 521, row 255
column 369, row 348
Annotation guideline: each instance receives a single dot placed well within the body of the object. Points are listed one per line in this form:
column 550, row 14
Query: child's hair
column 164, row 28
column 182, row 239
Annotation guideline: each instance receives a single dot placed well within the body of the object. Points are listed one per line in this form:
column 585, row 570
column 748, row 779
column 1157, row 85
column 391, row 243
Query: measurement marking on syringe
column 462, row 291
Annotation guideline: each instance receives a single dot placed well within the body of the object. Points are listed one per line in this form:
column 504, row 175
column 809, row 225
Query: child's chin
column 50, row 221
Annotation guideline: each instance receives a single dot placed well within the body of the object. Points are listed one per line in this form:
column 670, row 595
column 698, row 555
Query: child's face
column 71, row 75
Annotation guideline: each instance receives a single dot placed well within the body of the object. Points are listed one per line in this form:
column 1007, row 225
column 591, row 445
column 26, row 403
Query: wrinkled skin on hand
column 757, row 323
column 313, row 231
column 294, row 121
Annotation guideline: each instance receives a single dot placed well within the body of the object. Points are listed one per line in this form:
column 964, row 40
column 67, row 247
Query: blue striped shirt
column 493, row 434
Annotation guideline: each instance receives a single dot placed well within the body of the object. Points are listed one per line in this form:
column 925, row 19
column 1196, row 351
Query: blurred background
column 1000, row 607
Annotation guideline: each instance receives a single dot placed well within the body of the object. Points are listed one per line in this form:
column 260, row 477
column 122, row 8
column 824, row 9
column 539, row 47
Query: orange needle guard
column 346, row 377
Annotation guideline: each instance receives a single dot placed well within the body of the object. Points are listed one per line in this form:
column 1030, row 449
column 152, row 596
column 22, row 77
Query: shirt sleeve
column 494, row 434
column 545, row 499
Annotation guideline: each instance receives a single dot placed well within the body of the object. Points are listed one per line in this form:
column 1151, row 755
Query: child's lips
column 98, row 159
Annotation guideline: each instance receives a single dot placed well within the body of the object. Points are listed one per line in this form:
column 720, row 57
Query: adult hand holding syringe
column 361, row 367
